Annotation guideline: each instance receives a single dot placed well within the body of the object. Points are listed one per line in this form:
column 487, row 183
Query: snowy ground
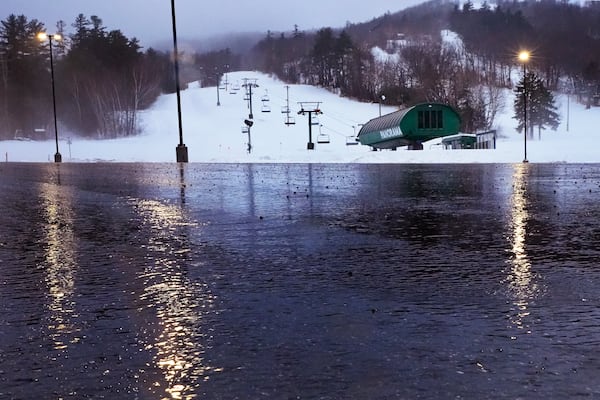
column 213, row 133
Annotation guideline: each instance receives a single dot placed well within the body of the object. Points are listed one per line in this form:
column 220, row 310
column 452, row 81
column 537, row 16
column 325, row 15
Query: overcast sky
column 150, row 20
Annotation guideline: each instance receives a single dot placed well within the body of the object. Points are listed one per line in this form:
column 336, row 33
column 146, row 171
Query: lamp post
column 181, row 150
column 218, row 77
column 382, row 100
column 50, row 37
column 524, row 57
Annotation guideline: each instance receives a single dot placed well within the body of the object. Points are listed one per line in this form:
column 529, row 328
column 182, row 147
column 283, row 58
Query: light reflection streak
column 59, row 262
column 179, row 302
column 520, row 279
column 182, row 184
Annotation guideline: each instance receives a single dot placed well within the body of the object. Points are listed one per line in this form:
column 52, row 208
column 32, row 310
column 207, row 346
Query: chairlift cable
column 331, row 115
column 334, row 131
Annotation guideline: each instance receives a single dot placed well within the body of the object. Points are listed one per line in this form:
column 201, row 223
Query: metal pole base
column 310, row 146
column 182, row 153
column 57, row 158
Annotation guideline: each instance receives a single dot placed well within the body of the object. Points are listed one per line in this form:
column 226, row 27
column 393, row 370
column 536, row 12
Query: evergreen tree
column 343, row 51
column 540, row 102
column 323, row 56
column 25, row 84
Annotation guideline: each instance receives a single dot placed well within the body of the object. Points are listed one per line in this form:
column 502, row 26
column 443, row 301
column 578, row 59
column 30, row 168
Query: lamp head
column 524, row 56
column 45, row 36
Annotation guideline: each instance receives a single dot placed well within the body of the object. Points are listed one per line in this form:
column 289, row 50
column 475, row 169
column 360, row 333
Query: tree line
column 564, row 39
column 102, row 79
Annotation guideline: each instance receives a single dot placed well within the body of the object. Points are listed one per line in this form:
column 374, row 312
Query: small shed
column 410, row 126
column 480, row 140
column 460, row 141
column 486, row 140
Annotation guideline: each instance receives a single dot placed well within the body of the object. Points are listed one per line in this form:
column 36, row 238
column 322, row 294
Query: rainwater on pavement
column 299, row 281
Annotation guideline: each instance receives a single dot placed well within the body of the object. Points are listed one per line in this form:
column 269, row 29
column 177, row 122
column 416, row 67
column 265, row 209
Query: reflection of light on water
column 180, row 303
column 60, row 262
column 520, row 278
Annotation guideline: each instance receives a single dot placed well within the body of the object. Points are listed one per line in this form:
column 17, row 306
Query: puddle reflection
column 182, row 184
column 179, row 302
column 520, row 278
column 59, row 262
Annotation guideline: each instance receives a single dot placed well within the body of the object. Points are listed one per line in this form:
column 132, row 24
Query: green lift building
column 410, row 127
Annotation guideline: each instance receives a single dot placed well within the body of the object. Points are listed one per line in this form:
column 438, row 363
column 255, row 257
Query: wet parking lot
column 303, row 281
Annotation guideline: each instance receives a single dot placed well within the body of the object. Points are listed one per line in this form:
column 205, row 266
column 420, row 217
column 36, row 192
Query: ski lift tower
column 250, row 84
column 310, row 108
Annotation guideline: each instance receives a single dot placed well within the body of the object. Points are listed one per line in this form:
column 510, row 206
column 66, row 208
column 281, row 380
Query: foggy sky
column 150, row 20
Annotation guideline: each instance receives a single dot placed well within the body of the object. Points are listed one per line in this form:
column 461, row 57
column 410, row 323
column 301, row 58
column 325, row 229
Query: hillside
column 213, row 133
column 413, row 63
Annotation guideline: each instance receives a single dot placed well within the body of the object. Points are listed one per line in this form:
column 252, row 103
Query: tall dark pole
column 219, row 77
column 251, row 115
column 249, row 84
column 310, row 145
column 181, row 150
column 524, row 57
column 57, row 155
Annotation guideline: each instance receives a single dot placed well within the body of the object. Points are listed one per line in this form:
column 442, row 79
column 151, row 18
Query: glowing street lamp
column 43, row 36
column 524, row 58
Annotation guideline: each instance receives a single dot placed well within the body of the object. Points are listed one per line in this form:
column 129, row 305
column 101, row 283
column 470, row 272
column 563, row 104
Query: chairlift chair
column 323, row 138
column 285, row 110
column 290, row 121
column 265, row 97
column 351, row 141
column 265, row 108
